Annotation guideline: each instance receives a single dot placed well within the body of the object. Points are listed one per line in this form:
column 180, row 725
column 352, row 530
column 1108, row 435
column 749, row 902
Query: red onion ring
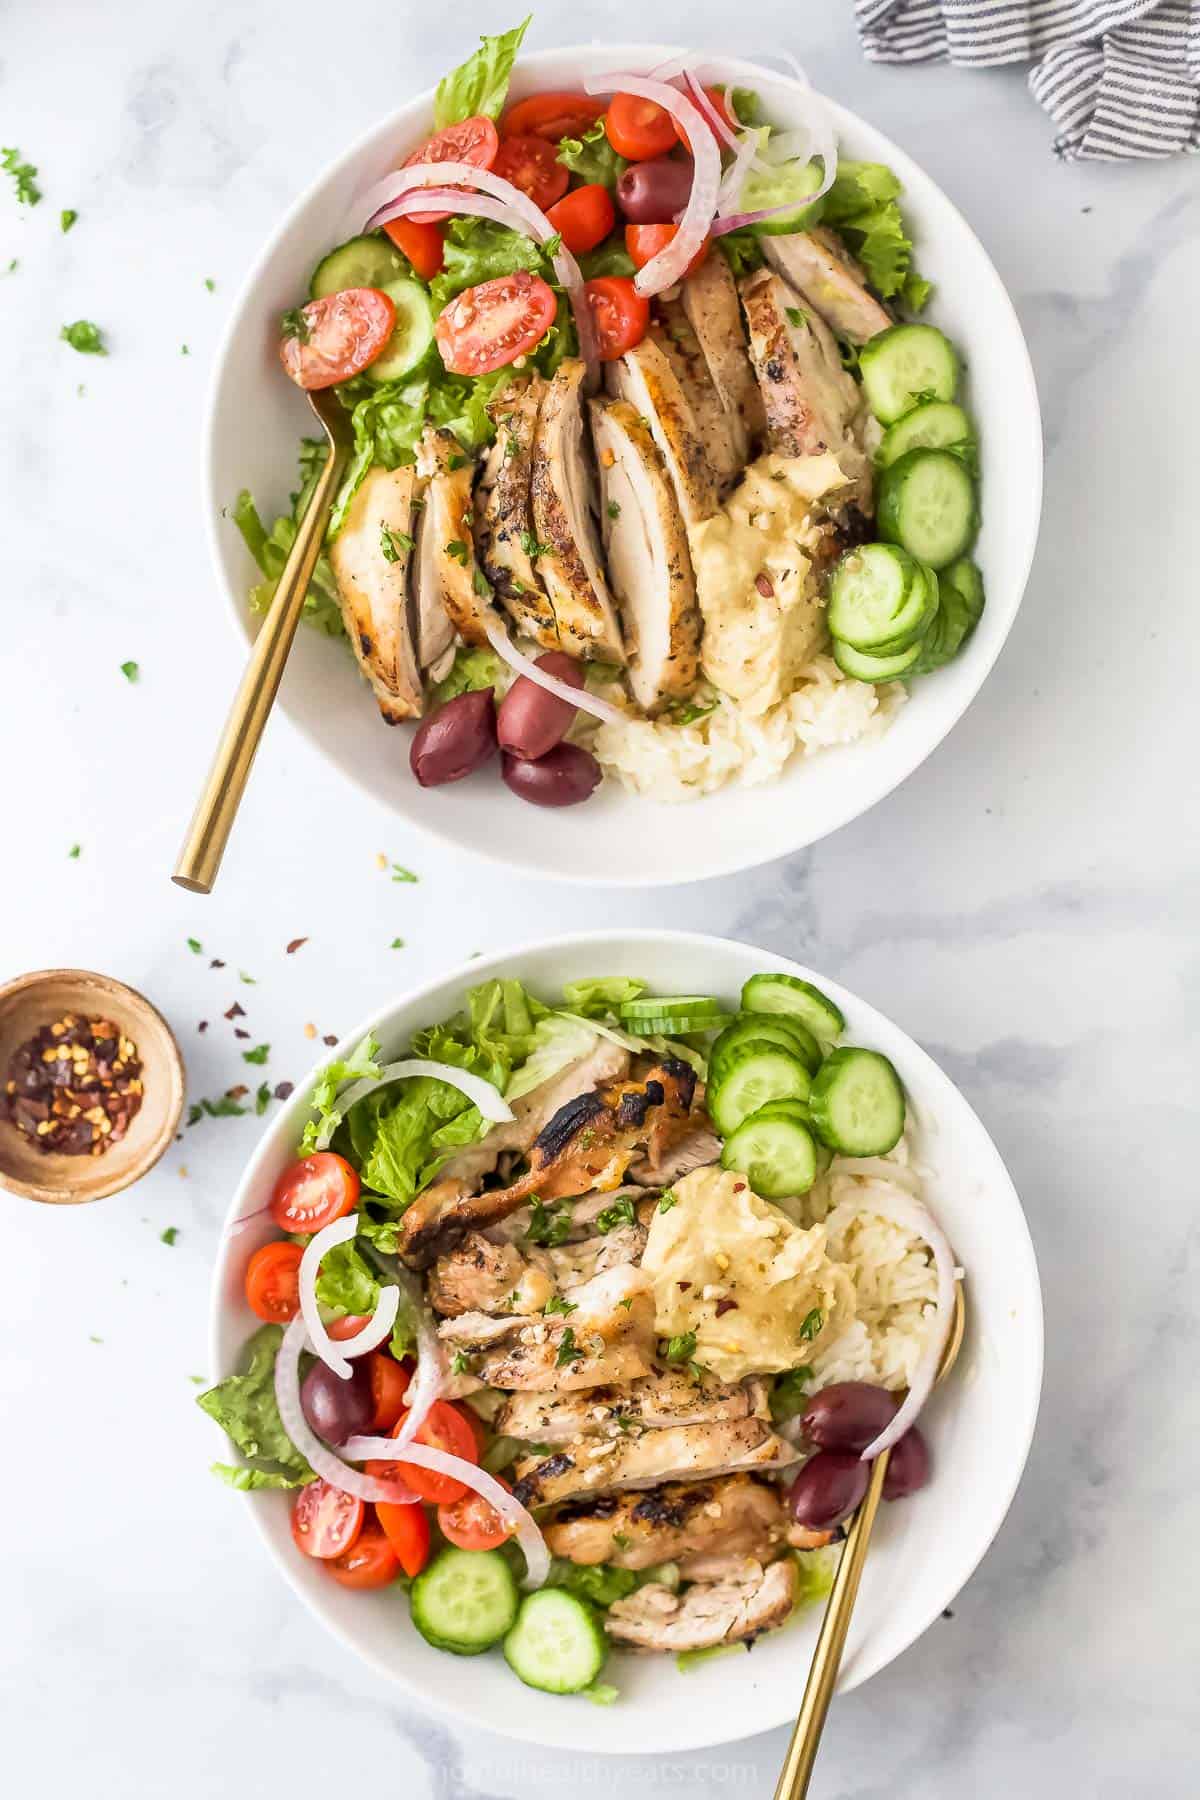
column 481, row 1093
column 325, row 1240
column 735, row 221
column 329, row 1467
column 503, row 645
column 727, row 136
column 246, row 1220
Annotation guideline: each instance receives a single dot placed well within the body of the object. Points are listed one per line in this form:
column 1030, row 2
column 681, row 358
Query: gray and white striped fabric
column 1120, row 78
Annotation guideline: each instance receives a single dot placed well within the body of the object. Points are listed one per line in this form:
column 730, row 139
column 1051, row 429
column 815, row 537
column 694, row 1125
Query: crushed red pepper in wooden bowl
column 74, row 1086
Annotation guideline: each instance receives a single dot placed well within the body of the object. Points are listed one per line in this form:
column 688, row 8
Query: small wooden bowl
column 32, row 1001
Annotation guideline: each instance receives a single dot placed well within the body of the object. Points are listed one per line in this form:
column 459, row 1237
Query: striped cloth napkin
column 1120, row 78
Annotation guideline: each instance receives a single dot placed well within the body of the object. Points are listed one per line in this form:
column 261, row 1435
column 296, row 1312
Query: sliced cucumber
column 792, row 995
column 775, row 1150
column 677, row 1025
column 754, row 1072
column 926, row 503
column 860, row 666
column 412, row 333
column 465, row 1601
column 879, row 600
column 694, row 1007
column 763, row 189
column 962, row 605
column 362, row 262
column 933, row 425
column 857, row 1103
column 557, row 1643
column 904, row 365
column 772, row 1029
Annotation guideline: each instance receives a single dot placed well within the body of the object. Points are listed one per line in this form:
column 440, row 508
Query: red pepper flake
column 74, row 1086
column 203, row 1025
column 724, row 1306
column 216, row 963
column 236, row 1093
column 236, row 1012
column 764, row 585
column 739, row 1187
column 295, row 945
column 330, row 1038
column 683, row 1286
column 239, row 1033
column 284, row 1089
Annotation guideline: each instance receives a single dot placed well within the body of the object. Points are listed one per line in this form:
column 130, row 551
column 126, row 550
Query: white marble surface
column 1025, row 906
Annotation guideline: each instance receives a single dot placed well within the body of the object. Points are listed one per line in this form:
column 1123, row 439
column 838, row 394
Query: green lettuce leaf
column 592, row 157
column 609, row 258
column 402, row 1134
column 815, row 1570
column 557, row 1042
column 789, row 1395
column 346, row 1280
column 361, row 1064
column 480, row 85
column 688, row 1660
column 472, row 668
column 249, row 1481
column 270, row 548
column 244, row 1407
column 602, row 996
column 503, row 1016
column 478, row 250
column 862, row 205
column 742, row 250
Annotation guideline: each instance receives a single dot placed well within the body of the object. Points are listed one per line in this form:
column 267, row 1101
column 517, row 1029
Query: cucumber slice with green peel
column 926, row 503
column 933, row 425
column 776, row 1150
column 464, row 1601
column 361, row 262
column 789, row 1033
column 905, row 365
column 694, row 1007
column 412, row 333
column 879, row 599
column 857, row 1103
column 753, row 1073
column 961, row 607
column 798, row 998
column 860, row 666
column 557, row 1643
column 765, row 188
column 677, row 1025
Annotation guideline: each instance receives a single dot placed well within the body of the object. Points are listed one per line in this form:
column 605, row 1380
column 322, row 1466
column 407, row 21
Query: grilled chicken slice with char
column 610, row 1341
column 647, row 551
column 642, row 1460
column 810, row 399
column 374, row 591
column 675, row 338
column 644, row 377
column 733, row 1515
column 479, row 1276
column 435, row 638
column 447, row 564
column 696, row 1150
column 707, row 1614
column 827, row 276
column 711, row 305
column 568, row 560
column 664, row 1398
column 504, row 525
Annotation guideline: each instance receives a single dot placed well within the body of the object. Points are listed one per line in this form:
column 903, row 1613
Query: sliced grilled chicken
column 447, row 534
column 480, row 1276
column 578, row 1262
column 675, row 1453
column 373, row 588
column 710, row 302
column 707, row 1614
column 644, row 377
column 809, row 398
column 434, row 629
column 696, row 1150
column 733, row 1515
column 664, row 1398
column 827, row 276
column 608, row 1339
column 646, row 547
column 568, row 548
column 504, row 526
column 675, row 338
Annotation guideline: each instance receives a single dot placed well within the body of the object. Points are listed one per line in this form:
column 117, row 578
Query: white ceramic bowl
column 257, row 417
column 923, row 1550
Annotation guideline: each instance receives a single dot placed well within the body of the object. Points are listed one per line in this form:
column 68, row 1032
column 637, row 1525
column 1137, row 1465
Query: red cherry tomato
column 273, row 1282
column 583, row 217
column 444, row 1428
column 347, row 1327
column 718, row 99
column 422, row 244
column 341, row 335
column 551, row 116
column 325, row 1521
column 389, row 1384
column 488, row 326
column 619, row 313
column 370, row 1562
column 475, row 141
column 407, row 1530
column 639, row 128
column 645, row 241
column 472, row 1523
column 532, row 165
column 313, row 1192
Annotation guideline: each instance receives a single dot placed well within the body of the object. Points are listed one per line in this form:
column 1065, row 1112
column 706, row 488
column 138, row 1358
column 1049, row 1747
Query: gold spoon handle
column 827, row 1657
column 208, row 833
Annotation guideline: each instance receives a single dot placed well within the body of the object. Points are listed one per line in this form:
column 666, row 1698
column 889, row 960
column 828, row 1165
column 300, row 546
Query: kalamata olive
column 847, row 1416
column 337, row 1409
column 563, row 777
column 827, row 1489
column 455, row 740
column 908, row 1466
column 652, row 193
column 531, row 721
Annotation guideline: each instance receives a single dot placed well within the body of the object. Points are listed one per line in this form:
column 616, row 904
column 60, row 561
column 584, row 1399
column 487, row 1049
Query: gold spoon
column 827, row 1657
column 208, row 833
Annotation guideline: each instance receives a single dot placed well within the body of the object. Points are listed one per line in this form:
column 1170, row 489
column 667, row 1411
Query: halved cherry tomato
column 619, row 313
column 370, row 1562
column 475, row 141
column 472, row 1523
column 718, row 100
column 551, row 116
column 273, row 1282
column 639, row 128
column 389, row 1384
column 583, row 218
column 341, row 335
column 444, row 1428
column 325, row 1521
column 348, row 1326
column 488, row 326
column 645, row 241
column 532, row 165
column 313, row 1192
column 423, row 245
column 407, row 1530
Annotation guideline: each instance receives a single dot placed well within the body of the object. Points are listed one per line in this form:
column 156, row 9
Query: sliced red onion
column 430, row 1378
column 340, row 1232
column 670, row 265
column 503, row 645
column 735, row 221
column 246, row 1220
column 331, row 1468
column 481, row 1093
column 725, row 132
column 425, row 1456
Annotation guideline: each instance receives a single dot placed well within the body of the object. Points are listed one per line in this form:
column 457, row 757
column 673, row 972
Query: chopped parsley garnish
column 680, row 1349
column 568, row 1350
column 259, row 1054
column 458, row 551
column 170, row 1234
column 511, row 447
column 400, row 873
column 13, row 265
column 195, row 946
column 613, row 509
column 789, row 1395
column 457, row 461
column 460, row 1363
column 559, row 1305
column 810, row 1325
column 263, row 1098
column 85, row 337
column 548, row 1225
column 796, row 316
column 28, row 191
column 396, row 944
column 620, row 1540
column 184, row 351
column 67, row 218
column 294, row 324
column 626, row 1303
column 688, row 715
column 669, row 1199
column 130, row 671
column 248, row 979
column 532, row 548
column 621, row 1213
column 481, row 585
column 210, row 284
column 73, row 852
column 394, row 544
column 224, row 1108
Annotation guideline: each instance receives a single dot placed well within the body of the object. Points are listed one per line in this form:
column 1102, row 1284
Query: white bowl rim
column 865, row 1664
column 891, row 772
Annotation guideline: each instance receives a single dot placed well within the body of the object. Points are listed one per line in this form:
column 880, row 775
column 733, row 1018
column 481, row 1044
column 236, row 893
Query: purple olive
column 530, row 720
column 654, row 192
column 563, row 777
column 848, row 1416
column 455, row 740
column 338, row 1409
column 908, row 1466
column 827, row 1489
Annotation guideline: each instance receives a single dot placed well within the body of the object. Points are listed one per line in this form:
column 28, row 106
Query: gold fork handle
column 208, row 833
column 827, row 1657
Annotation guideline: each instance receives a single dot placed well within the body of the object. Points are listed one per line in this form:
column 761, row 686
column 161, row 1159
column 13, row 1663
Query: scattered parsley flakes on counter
column 13, row 266
column 67, row 217
column 84, row 336
column 93, row 1339
column 248, row 979
column 197, row 1380
column 210, row 284
column 396, row 944
column 73, row 852
column 169, row 1235
column 224, row 1108
column 195, row 946
column 130, row 671
column 400, row 873
column 259, row 1054
column 295, row 945
column 23, row 173
column 262, row 1099
column 184, row 351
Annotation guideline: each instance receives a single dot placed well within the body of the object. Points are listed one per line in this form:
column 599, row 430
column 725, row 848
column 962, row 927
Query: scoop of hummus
column 760, row 1293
